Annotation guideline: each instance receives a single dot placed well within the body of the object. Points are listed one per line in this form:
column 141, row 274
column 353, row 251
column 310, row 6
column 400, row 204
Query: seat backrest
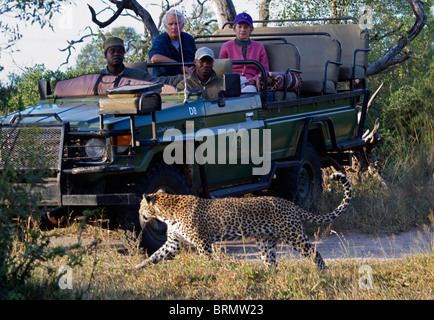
column 142, row 65
column 315, row 52
column 282, row 56
column 350, row 36
column 229, row 32
column 223, row 66
column 214, row 46
column 85, row 85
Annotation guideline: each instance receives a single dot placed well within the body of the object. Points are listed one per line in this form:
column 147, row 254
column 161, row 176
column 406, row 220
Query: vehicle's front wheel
column 301, row 184
column 135, row 232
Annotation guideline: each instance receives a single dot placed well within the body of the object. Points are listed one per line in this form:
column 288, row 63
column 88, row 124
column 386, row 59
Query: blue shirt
column 162, row 45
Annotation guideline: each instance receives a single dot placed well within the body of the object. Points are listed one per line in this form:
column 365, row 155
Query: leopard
column 268, row 219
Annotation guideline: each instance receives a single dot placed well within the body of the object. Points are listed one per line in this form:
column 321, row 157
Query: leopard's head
column 156, row 205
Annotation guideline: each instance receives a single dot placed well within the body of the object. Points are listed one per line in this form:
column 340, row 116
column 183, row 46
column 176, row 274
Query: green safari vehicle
column 107, row 149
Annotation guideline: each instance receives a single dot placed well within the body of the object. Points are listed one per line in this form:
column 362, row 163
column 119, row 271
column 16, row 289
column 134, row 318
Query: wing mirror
column 232, row 88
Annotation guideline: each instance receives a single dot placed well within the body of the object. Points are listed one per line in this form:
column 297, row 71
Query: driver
column 203, row 76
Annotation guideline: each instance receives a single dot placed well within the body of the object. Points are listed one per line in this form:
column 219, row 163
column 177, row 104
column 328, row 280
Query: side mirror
column 232, row 84
column 232, row 88
column 44, row 89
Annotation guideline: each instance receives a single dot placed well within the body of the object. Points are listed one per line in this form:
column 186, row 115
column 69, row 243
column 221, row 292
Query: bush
column 22, row 91
column 23, row 246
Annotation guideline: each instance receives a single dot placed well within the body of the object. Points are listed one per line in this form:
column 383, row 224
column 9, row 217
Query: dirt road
column 334, row 245
column 351, row 245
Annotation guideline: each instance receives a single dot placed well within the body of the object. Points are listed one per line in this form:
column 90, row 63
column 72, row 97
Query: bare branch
column 109, row 21
column 391, row 57
column 203, row 29
column 73, row 42
column 371, row 100
column 166, row 9
column 199, row 12
column 133, row 5
column 144, row 15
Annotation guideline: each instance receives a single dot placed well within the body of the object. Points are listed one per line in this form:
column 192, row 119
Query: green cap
column 112, row 42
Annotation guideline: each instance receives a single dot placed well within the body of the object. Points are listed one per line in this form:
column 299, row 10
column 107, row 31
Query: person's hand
column 251, row 82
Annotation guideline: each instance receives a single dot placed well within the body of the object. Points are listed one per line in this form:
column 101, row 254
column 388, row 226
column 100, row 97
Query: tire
column 302, row 184
column 135, row 232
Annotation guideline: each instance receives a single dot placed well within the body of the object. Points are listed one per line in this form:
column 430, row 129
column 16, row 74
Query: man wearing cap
column 174, row 45
column 244, row 48
column 114, row 52
column 203, row 76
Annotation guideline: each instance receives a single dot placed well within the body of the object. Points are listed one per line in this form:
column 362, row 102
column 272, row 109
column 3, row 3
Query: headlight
column 122, row 143
column 95, row 149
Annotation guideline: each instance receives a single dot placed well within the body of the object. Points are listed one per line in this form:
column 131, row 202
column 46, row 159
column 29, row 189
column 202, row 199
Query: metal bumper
column 99, row 199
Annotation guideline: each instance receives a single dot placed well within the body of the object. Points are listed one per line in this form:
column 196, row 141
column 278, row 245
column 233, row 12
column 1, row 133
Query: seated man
column 172, row 45
column 114, row 52
column 203, row 76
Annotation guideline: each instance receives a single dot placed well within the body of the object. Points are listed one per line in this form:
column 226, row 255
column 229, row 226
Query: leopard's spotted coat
column 202, row 222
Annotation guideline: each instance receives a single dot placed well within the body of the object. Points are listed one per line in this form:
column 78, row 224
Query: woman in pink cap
column 243, row 48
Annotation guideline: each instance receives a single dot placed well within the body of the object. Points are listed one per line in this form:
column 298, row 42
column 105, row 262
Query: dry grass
column 106, row 273
column 193, row 277
column 405, row 203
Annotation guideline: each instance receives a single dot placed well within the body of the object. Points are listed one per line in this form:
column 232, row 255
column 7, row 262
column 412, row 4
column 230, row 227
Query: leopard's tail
column 348, row 194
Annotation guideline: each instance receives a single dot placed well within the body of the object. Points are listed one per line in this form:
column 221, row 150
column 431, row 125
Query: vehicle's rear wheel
column 301, row 184
column 135, row 232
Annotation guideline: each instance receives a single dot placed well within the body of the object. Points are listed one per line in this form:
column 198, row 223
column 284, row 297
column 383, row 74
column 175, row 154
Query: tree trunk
column 145, row 16
column 226, row 11
column 264, row 11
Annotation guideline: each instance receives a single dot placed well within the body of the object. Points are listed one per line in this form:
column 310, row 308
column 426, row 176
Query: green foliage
column 22, row 91
column 314, row 9
column 404, row 105
column 390, row 20
column 204, row 24
column 23, row 246
column 7, row 92
column 34, row 11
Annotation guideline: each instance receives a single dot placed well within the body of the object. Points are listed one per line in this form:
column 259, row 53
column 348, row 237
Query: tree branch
column 166, row 9
column 371, row 100
column 109, row 21
column 391, row 57
column 72, row 43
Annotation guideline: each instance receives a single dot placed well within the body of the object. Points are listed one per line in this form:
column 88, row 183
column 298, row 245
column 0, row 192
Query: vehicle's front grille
column 31, row 147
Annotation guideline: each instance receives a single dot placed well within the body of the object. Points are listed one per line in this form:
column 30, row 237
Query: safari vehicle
column 104, row 143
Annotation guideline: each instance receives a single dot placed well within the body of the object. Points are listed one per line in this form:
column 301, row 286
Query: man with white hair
column 171, row 45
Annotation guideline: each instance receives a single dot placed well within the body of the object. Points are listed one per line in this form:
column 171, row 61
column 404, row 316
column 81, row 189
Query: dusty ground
column 345, row 245
column 352, row 245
